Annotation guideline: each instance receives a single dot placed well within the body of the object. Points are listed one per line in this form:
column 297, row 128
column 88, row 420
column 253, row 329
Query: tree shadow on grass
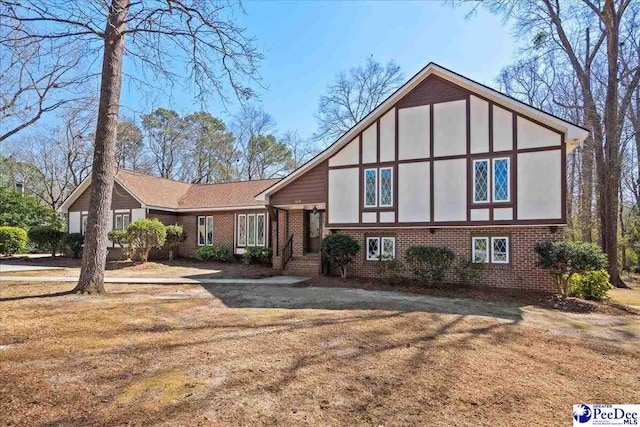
column 38, row 296
column 294, row 297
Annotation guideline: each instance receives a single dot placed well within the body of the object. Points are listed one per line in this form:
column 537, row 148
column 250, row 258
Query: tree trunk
column 103, row 170
column 586, row 192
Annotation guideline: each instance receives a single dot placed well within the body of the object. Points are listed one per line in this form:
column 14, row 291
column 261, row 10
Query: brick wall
column 522, row 272
column 222, row 231
column 296, row 218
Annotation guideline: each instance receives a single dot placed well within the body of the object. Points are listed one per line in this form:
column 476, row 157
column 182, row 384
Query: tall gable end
column 432, row 90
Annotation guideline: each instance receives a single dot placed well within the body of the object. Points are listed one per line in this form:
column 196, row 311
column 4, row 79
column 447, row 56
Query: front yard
column 224, row 355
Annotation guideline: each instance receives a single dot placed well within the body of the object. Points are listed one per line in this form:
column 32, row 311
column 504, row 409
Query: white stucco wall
column 349, row 155
column 531, row 135
column 479, row 110
column 413, row 132
column 480, row 214
column 503, row 214
column 344, row 195
column 370, row 144
column 502, row 129
column 387, row 217
column 388, row 136
column 450, row 128
column 413, row 192
column 539, row 185
column 450, row 190
column 74, row 222
column 369, row 217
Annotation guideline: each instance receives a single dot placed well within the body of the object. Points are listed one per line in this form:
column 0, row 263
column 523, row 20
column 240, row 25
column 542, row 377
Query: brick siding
column 222, row 231
column 522, row 272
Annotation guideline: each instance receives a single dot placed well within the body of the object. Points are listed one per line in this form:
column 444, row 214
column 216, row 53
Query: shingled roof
column 156, row 192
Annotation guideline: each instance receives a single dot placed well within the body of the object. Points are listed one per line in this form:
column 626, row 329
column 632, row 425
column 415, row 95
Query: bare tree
column 167, row 135
column 129, row 145
column 353, row 95
column 36, row 78
column 301, row 149
column 213, row 49
column 587, row 35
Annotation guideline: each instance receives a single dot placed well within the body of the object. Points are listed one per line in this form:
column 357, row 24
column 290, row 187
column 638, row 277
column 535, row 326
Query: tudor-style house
column 444, row 161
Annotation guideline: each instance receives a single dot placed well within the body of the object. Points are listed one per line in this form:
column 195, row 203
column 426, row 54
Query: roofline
column 207, row 209
column 393, row 99
column 64, row 207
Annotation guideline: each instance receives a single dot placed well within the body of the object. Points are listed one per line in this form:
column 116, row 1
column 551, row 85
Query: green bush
column 13, row 240
column 144, row 235
column 565, row 259
column 121, row 238
column 19, row 210
column 74, row 242
column 390, row 271
column 467, row 271
column 339, row 250
column 213, row 253
column 429, row 263
column 257, row 255
column 46, row 238
column 175, row 236
column 592, row 285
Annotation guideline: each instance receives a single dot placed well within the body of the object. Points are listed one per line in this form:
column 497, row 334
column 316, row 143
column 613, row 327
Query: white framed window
column 121, row 221
column 500, row 250
column 83, row 224
column 370, row 188
column 501, row 181
column 373, row 248
column 209, row 230
column 481, row 179
column 388, row 247
column 242, row 230
column 480, row 249
column 494, row 249
column 386, row 187
column 202, row 230
column 251, row 230
column 260, row 229
column 381, row 248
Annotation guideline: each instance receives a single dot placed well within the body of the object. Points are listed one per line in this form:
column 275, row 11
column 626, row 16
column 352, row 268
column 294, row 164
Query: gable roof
column 166, row 194
column 574, row 134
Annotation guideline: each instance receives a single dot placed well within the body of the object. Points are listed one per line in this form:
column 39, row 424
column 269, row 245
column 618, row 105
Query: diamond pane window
column 251, row 230
column 242, row 230
column 386, row 187
column 260, row 232
column 373, row 248
column 500, row 250
column 388, row 248
column 501, row 180
column 481, row 181
column 370, row 187
column 480, row 249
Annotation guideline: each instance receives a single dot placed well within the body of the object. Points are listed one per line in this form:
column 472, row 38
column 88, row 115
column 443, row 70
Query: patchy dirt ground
column 229, row 355
column 176, row 268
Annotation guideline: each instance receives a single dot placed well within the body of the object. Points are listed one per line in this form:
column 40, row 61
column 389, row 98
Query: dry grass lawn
column 180, row 355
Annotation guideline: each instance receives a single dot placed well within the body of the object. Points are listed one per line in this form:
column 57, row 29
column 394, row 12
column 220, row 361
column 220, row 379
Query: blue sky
column 307, row 43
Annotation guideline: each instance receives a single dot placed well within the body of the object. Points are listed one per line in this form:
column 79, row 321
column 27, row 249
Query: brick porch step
column 304, row 265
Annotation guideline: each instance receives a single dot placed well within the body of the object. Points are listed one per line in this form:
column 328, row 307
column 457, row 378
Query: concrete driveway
column 8, row 267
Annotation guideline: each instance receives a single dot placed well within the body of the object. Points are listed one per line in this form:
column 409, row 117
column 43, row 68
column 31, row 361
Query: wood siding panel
column 432, row 90
column 310, row 188
column 121, row 199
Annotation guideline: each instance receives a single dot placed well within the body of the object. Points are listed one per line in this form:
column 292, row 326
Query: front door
column 313, row 231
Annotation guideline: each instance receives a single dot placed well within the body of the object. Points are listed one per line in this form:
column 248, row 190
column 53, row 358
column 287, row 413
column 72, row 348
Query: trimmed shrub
column 121, row 238
column 339, row 250
column 592, row 285
column 565, row 259
column 175, row 236
column 429, row 263
column 74, row 242
column 213, row 253
column 46, row 238
column 467, row 271
column 144, row 235
column 257, row 255
column 390, row 271
column 13, row 240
